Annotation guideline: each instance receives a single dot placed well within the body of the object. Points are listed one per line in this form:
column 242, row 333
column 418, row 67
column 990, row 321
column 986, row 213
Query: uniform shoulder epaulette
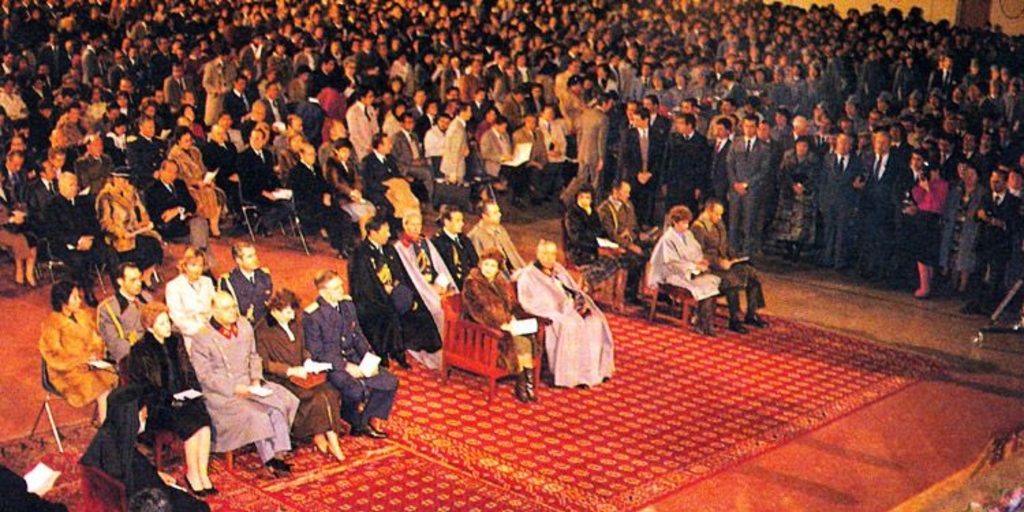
column 346, row 298
column 131, row 138
column 310, row 309
column 265, row 270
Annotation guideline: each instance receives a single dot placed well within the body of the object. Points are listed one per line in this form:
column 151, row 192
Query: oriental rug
column 679, row 409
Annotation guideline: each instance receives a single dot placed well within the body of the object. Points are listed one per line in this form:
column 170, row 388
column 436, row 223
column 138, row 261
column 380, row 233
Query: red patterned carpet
column 679, row 409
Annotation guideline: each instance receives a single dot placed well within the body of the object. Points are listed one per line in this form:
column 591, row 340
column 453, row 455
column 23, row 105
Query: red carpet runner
column 680, row 408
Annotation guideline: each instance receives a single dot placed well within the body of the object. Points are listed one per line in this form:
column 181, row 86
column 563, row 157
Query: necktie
column 750, row 144
column 878, row 168
column 412, row 146
column 643, row 147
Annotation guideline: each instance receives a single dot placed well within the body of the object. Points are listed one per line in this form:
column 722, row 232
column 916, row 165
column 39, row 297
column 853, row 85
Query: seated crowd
column 876, row 142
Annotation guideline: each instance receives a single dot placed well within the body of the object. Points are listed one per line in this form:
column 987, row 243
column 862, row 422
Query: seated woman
column 490, row 300
column 189, row 295
column 126, row 224
column 159, row 365
column 113, row 451
column 69, row 342
column 582, row 229
column 678, row 260
column 193, row 171
column 13, row 237
column 342, row 174
column 281, row 343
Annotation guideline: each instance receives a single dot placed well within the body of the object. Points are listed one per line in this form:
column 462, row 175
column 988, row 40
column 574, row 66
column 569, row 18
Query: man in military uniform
column 455, row 248
column 333, row 336
column 249, row 283
column 118, row 317
column 736, row 274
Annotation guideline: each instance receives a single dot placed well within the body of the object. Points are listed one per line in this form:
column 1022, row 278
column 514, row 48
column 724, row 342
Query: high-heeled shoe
column 198, row 492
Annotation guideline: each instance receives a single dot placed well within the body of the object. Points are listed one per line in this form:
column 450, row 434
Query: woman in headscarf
column 193, row 171
column 113, row 451
column 160, row 365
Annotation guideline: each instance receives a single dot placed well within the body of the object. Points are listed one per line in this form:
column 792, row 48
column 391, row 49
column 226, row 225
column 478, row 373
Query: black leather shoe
column 371, row 432
column 737, row 326
column 279, row 466
column 212, row 491
column 402, row 362
column 756, row 321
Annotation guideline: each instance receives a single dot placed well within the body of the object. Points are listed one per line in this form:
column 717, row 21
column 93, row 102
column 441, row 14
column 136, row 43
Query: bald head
column 225, row 309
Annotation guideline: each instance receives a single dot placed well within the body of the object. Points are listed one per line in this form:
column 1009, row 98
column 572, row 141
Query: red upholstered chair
column 102, row 492
column 473, row 347
column 676, row 296
column 611, row 292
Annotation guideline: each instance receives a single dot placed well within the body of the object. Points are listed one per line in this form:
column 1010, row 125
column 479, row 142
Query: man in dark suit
column 722, row 130
column 747, row 167
column 145, row 154
column 879, row 204
column 40, row 192
column 378, row 167
column 837, row 201
column 259, row 182
column 220, row 156
column 314, row 202
column 248, row 282
column 173, row 209
column 333, row 335
column 408, row 154
column 236, row 102
column 1000, row 219
column 642, row 153
column 455, row 248
column 74, row 233
column 657, row 122
column 685, row 177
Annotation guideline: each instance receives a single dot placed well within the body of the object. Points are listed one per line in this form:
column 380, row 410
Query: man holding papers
column 244, row 409
column 280, row 342
column 333, row 336
column 736, row 273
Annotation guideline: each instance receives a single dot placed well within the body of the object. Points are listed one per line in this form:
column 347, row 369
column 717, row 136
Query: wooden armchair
column 675, row 295
column 102, row 492
column 474, row 348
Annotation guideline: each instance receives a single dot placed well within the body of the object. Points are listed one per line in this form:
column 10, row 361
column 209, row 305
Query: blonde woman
column 189, row 295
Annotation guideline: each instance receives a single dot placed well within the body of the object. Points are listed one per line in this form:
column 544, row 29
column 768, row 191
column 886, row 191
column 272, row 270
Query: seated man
column 249, row 283
column 578, row 342
column 119, row 318
column 259, row 183
column 710, row 233
column 230, row 370
column 678, row 260
column 409, row 156
column 391, row 312
column 333, row 336
column 174, row 211
column 619, row 221
column 71, row 228
column 315, row 203
column 490, row 233
column 384, row 185
column 455, row 248
column 582, row 229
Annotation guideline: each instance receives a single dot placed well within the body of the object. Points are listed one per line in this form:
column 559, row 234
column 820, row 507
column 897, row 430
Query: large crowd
column 680, row 143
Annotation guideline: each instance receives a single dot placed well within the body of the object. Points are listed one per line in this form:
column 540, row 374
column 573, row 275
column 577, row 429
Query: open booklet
column 281, row 194
column 210, row 176
column 100, row 364
column 260, row 391
column 523, row 327
column 188, row 394
column 368, row 366
column 521, row 154
column 312, row 366
column 606, row 244
column 41, row 479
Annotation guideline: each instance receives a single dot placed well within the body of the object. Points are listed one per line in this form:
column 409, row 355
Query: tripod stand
column 979, row 339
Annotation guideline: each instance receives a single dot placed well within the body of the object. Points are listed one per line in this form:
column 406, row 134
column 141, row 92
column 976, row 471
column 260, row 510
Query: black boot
column 528, row 377
column 520, row 392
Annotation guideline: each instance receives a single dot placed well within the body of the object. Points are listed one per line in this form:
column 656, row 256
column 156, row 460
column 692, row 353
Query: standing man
column 837, row 201
column 333, row 336
column 722, row 131
column 119, row 317
column 217, row 78
column 685, row 178
column 879, row 206
column 642, row 153
column 408, row 154
column 747, row 169
column 456, row 146
column 249, row 283
column 592, row 146
column 361, row 119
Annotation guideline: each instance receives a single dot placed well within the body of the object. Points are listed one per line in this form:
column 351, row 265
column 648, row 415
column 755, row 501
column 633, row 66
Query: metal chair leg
column 53, row 424
column 248, row 224
column 297, row 226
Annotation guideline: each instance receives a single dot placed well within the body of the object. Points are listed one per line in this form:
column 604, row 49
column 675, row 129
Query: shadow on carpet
column 680, row 408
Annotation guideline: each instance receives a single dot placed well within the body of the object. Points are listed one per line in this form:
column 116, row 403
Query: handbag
column 311, row 381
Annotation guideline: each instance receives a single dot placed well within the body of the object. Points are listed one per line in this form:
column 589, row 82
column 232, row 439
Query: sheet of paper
column 100, row 364
column 210, row 176
column 369, row 363
column 164, row 134
column 84, row 191
column 523, row 327
column 443, row 281
column 260, row 391
column 41, row 479
column 282, row 194
column 312, row 366
column 521, row 154
column 607, row 244
column 188, row 394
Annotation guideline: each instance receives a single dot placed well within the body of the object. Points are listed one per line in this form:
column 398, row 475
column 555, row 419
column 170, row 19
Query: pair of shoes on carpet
column 756, row 321
column 736, row 326
column 369, row 431
column 278, row 467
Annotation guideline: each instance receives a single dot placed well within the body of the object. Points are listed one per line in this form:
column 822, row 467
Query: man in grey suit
column 837, row 201
column 175, row 87
column 456, row 146
column 592, row 143
column 746, row 166
column 408, row 154
column 217, row 79
column 496, row 147
column 362, row 123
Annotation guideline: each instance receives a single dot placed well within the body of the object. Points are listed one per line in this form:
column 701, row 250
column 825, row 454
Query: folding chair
column 50, row 392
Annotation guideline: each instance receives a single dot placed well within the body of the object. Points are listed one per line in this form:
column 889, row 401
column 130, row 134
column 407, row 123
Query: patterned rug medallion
column 679, row 409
